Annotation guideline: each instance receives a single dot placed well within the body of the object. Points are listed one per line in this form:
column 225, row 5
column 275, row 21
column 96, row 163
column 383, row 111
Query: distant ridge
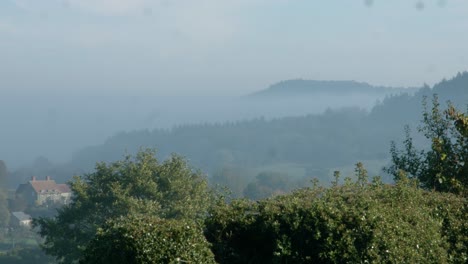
column 299, row 87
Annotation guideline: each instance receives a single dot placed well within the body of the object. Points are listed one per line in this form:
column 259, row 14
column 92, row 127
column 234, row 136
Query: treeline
column 358, row 222
column 140, row 210
column 317, row 143
column 313, row 145
column 340, row 88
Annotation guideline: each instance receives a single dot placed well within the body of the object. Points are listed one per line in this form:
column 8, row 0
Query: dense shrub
column 444, row 166
column 26, row 256
column 136, row 185
column 148, row 239
column 355, row 223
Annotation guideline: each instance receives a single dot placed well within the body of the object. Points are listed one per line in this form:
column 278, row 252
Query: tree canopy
column 4, row 212
column 358, row 222
column 444, row 166
column 136, row 185
column 148, row 239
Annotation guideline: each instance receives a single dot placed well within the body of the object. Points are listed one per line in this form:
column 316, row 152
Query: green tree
column 148, row 239
column 3, row 174
column 268, row 184
column 443, row 167
column 4, row 212
column 361, row 221
column 138, row 185
column 234, row 179
column 26, row 255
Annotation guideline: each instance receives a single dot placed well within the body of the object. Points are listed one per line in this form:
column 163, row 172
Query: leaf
column 443, row 156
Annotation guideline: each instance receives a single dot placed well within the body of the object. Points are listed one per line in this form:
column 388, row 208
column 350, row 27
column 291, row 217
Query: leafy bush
column 354, row 223
column 444, row 167
column 146, row 239
column 26, row 256
column 137, row 185
column 267, row 184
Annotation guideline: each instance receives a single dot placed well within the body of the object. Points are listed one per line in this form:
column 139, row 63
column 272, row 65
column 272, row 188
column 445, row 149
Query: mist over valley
column 298, row 129
column 54, row 127
column 233, row 131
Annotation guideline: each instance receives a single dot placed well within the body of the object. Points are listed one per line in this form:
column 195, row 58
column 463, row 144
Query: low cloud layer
column 225, row 46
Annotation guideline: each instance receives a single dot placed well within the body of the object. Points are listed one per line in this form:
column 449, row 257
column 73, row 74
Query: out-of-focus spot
column 420, row 5
column 369, row 3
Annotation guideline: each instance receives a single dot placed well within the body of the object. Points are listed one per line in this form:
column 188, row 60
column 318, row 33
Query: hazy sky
column 200, row 47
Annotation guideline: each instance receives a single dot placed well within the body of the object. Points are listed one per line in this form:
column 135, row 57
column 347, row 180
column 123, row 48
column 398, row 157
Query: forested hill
column 331, row 138
column 395, row 109
column 301, row 87
column 53, row 126
column 292, row 147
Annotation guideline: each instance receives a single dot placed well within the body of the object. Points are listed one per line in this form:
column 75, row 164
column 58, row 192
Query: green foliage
column 268, row 184
column 444, row 167
column 146, row 240
column 460, row 119
column 232, row 178
column 26, row 256
column 353, row 223
column 230, row 229
column 4, row 212
column 137, row 185
column 3, row 175
column 322, row 142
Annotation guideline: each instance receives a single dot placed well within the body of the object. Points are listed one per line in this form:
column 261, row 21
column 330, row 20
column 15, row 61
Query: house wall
column 48, row 197
column 27, row 193
column 66, row 197
column 54, row 197
column 14, row 221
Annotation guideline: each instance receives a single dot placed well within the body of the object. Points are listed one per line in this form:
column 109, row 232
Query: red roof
column 63, row 188
column 49, row 186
